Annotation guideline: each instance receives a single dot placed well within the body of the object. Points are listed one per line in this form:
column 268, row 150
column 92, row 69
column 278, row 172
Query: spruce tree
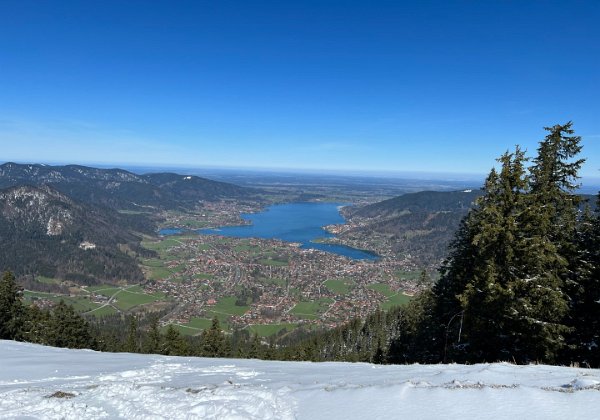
column 36, row 325
column 131, row 345
column 152, row 340
column 174, row 344
column 213, row 341
column 68, row 329
column 549, row 249
column 12, row 312
column 487, row 301
column 502, row 291
column 256, row 350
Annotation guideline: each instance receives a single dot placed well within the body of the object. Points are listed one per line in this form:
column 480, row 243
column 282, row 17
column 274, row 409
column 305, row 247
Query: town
column 250, row 282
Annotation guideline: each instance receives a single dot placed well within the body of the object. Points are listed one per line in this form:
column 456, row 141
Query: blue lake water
column 295, row 222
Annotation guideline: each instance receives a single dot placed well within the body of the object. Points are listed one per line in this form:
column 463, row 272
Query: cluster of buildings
column 272, row 277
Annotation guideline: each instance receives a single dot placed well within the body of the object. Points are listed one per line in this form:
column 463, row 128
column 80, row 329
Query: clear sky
column 371, row 85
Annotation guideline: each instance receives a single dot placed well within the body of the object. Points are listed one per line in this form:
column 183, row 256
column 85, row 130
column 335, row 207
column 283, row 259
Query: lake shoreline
column 302, row 222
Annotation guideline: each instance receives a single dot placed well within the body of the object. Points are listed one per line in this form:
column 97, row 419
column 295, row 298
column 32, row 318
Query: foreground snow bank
column 46, row 382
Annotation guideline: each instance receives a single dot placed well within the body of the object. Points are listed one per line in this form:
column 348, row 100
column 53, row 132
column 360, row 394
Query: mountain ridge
column 45, row 232
column 121, row 189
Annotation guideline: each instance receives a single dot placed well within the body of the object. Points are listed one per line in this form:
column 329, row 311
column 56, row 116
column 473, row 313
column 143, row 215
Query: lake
column 296, row 222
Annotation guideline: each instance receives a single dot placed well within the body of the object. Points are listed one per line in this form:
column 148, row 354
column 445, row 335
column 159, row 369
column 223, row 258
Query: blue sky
column 406, row 86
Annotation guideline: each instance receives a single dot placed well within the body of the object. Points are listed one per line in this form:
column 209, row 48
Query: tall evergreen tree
column 213, row 341
column 68, row 329
column 549, row 229
column 256, row 350
column 152, row 340
column 174, row 344
column 501, row 294
column 131, row 345
column 36, row 325
column 12, row 312
column 487, row 300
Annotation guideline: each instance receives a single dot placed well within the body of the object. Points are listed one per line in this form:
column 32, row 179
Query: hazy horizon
column 589, row 185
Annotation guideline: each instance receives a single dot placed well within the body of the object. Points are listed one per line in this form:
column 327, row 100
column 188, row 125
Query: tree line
column 62, row 326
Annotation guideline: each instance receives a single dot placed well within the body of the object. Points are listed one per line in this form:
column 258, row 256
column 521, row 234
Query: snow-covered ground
column 106, row 385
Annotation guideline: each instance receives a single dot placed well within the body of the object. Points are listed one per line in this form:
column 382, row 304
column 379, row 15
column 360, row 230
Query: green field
column 194, row 224
column 227, row 306
column 274, row 263
column 267, row 330
column 382, row 288
column 153, row 262
column 157, row 268
column 103, row 311
column 224, row 308
column 244, row 247
column 194, row 327
column 126, row 299
column 104, row 290
column 199, row 323
column 393, row 298
column 48, row 280
column 407, row 275
column 311, row 310
column 160, row 273
column 133, row 212
column 80, row 304
column 28, row 294
column 184, row 330
column 340, row 287
column 396, row 300
column 162, row 245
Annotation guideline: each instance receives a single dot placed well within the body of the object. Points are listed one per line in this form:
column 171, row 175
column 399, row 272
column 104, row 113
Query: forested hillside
column 120, row 189
column 44, row 232
column 85, row 224
column 420, row 225
column 416, row 225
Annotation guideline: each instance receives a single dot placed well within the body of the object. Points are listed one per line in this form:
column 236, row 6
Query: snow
column 121, row 385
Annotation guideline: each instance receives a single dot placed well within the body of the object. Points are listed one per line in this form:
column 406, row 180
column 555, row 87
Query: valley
column 250, row 279
column 267, row 286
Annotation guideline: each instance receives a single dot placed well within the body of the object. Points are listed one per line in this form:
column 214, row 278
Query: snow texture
column 46, row 382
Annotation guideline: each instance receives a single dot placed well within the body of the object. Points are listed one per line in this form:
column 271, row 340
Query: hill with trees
column 44, row 232
column 120, row 189
column 85, row 224
column 420, row 224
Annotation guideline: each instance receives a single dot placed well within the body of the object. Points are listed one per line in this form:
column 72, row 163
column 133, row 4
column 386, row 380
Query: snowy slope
column 107, row 385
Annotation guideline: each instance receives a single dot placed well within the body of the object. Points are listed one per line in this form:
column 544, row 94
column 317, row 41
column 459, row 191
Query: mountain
column 121, row 189
column 419, row 225
column 47, row 382
column 420, row 202
column 45, row 232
